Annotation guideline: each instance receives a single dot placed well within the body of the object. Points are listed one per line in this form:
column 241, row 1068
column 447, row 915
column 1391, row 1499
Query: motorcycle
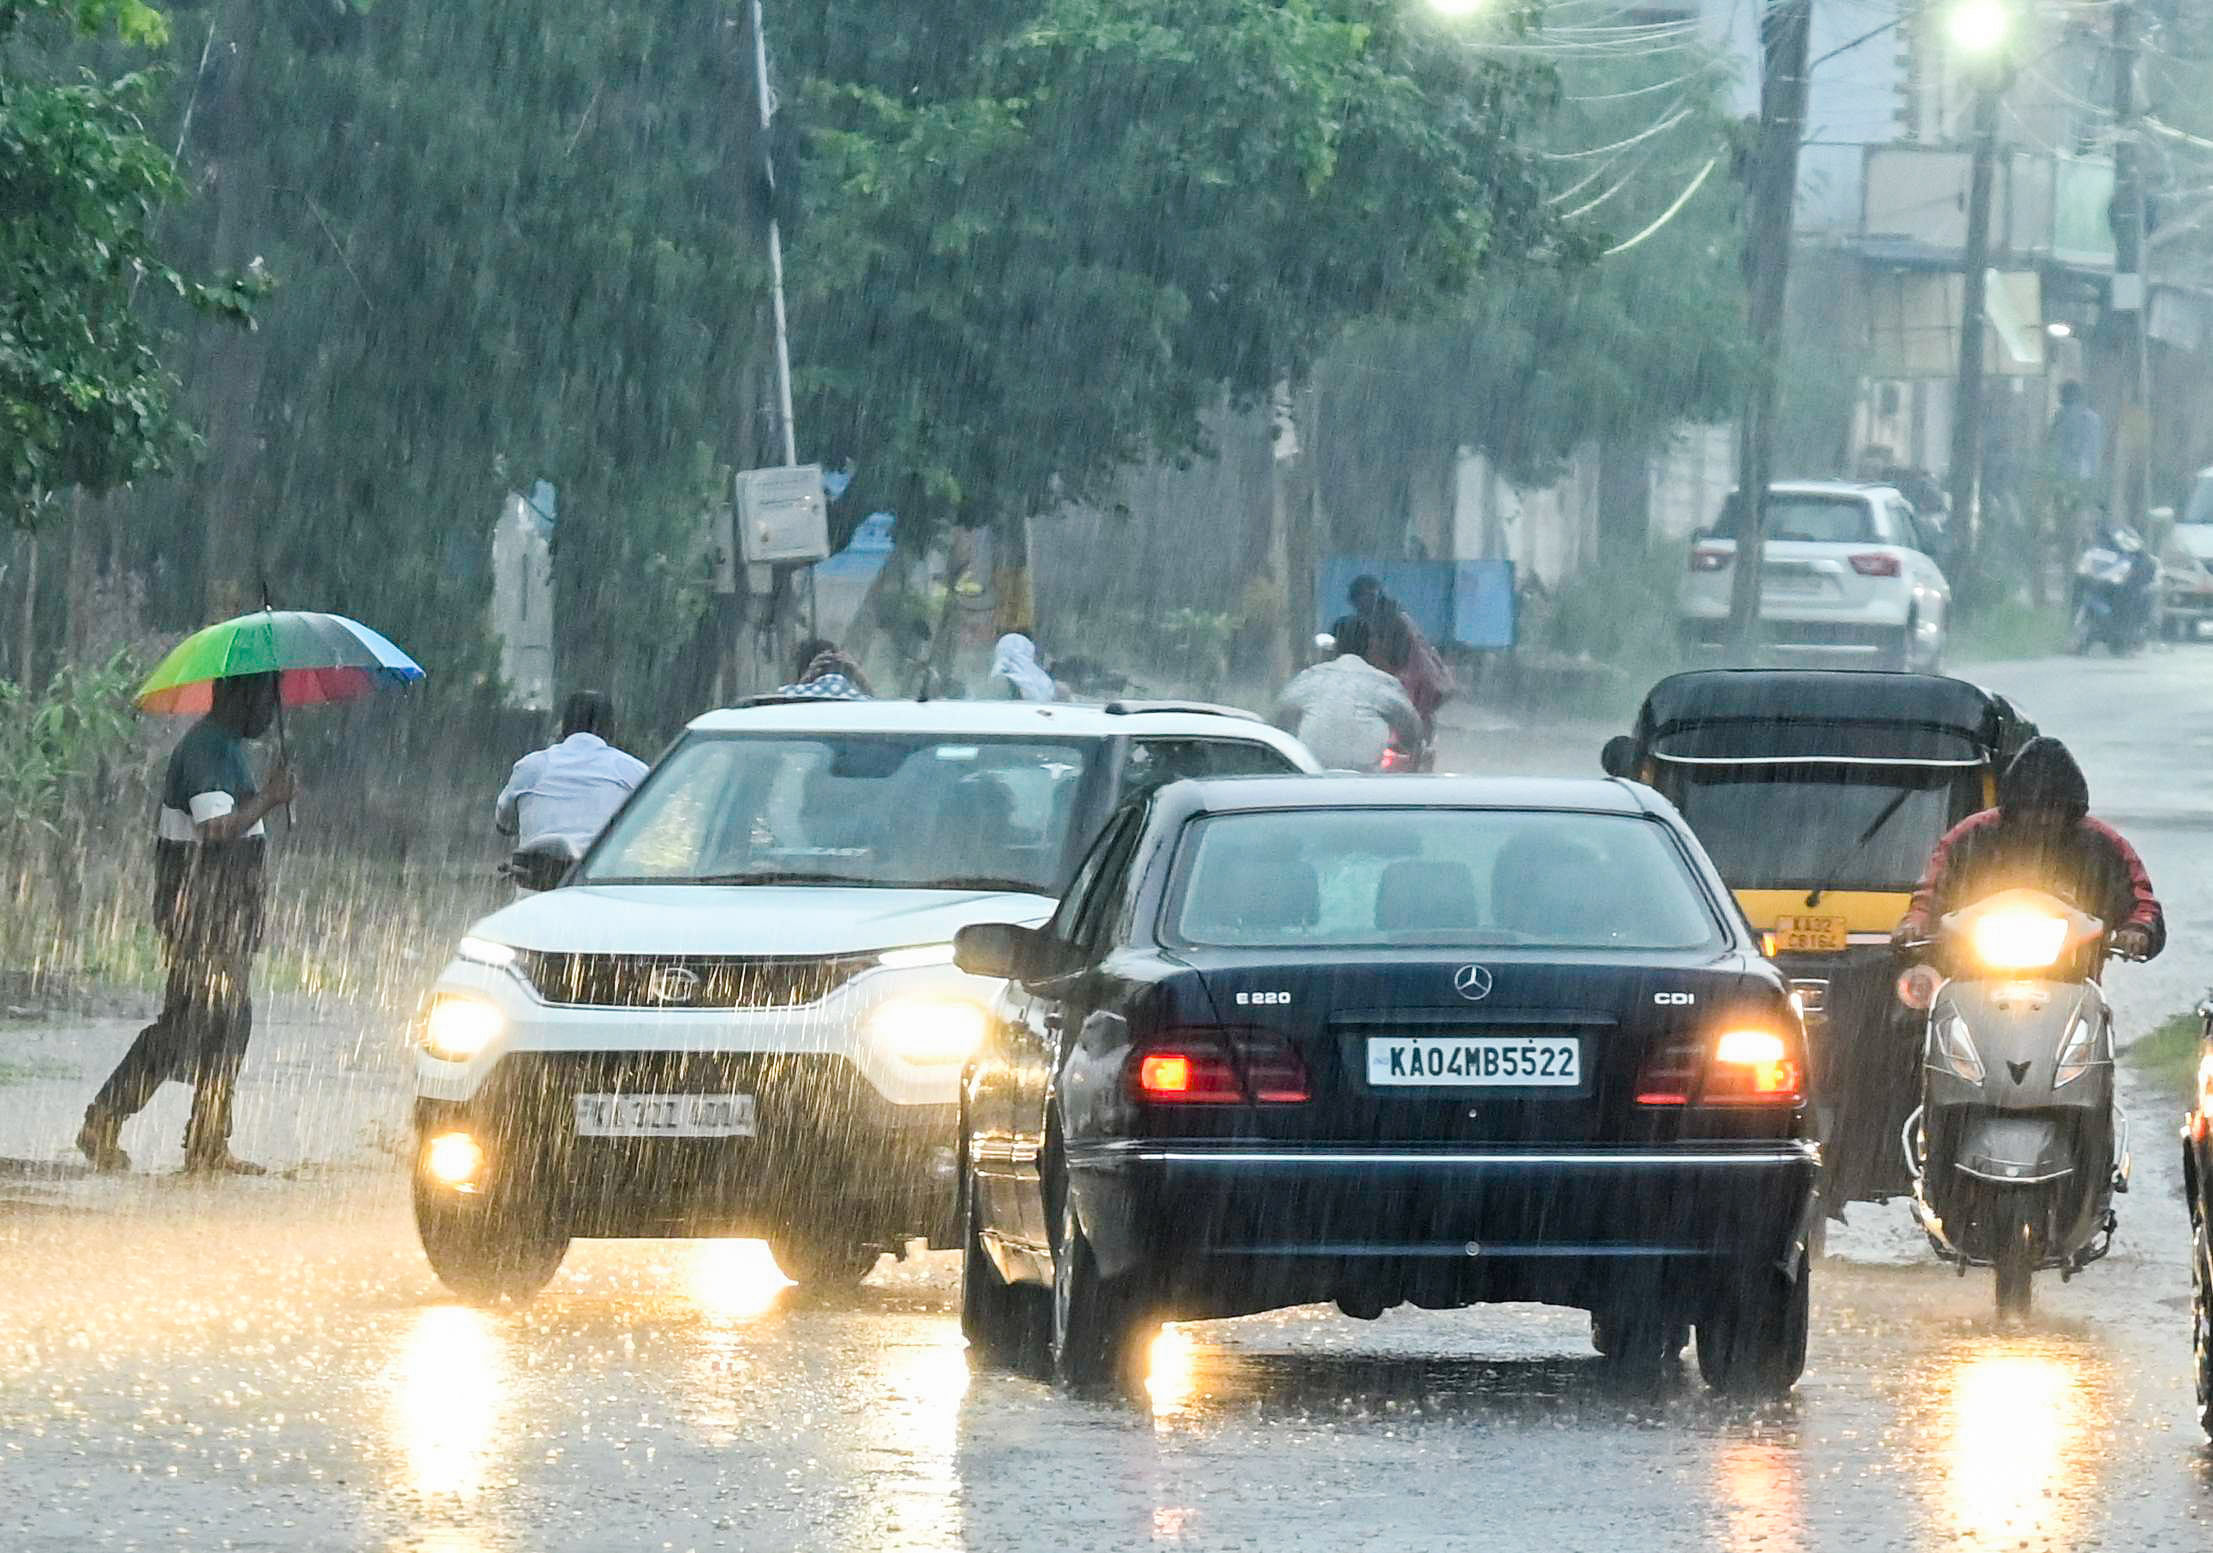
column 2115, row 588
column 540, row 864
column 2017, row 1148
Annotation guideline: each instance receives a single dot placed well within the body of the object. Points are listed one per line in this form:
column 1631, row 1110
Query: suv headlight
column 929, row 1031
column 485, row 951
column 458, row 1027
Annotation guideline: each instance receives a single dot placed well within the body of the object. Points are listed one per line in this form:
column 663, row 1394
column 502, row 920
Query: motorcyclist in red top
column 2041, row 837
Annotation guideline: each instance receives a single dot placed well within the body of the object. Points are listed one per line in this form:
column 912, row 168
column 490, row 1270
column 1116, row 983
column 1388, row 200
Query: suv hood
column 751, row 919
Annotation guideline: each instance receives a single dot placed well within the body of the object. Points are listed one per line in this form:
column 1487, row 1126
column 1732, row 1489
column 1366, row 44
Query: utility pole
column 766, row 99
column 1967, row 395
column 1785, row 32
column 2129, row 300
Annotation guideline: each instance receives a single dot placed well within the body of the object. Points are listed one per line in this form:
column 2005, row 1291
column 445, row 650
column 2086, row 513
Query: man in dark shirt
column 208, row 846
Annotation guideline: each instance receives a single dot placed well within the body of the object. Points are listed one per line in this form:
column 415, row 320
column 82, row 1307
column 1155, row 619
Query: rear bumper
column 1224, row 1228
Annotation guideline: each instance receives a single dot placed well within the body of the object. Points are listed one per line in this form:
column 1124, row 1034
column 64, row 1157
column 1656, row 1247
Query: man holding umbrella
column 237, row 678
column 208, row 882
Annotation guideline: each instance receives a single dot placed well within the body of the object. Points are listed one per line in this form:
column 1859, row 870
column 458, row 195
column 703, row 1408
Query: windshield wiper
column 781, row 876
column 1897, row 802
column 975, row 882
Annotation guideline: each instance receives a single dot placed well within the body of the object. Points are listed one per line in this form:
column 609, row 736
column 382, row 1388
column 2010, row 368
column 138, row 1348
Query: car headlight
column 1957, row 1048
column 2078, row 1054
column 2019, row 940
column 485, row 951
column 457, row 1028
column 930, row 1032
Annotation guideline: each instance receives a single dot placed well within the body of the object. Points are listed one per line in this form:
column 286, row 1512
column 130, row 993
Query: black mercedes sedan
column 1379, row 1040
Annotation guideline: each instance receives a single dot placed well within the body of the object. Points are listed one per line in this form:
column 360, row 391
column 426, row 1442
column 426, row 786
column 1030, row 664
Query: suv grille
column 681, row 981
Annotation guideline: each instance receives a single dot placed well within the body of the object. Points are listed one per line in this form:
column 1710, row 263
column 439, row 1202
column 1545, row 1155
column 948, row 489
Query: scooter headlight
column 2019, row 940
column 2079, row 1053
column 1957, row 1048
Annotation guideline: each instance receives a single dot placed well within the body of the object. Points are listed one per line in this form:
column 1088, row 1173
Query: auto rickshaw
column 1820, row 795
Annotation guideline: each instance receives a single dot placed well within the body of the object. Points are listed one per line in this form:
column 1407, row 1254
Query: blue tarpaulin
column 1468, row 602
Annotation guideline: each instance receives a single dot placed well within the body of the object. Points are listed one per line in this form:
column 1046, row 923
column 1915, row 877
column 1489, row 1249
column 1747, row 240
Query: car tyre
column 482, row 1252
column 1008, row 1326
column 827, row 1264
column 1099, row 1330
column 2201, row 1323
column 1752, row 1343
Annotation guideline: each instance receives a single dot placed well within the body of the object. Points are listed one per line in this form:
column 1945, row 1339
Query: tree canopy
column 85, row 397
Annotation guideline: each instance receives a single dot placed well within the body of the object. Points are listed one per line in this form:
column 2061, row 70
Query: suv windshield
column 1786, row 827
column 1414, row 877
column 913, row 811
column 1832, row 520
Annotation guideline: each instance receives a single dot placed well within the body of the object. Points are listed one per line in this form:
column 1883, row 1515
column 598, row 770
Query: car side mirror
column 1005, row 950
column 1619, row 756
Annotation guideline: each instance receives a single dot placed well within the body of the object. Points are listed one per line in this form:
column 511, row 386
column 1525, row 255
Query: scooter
column 540, row 864
column 2017, row 1148
column 2116, row 584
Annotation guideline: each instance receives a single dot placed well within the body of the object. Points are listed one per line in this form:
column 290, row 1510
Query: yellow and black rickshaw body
column 1820, row 795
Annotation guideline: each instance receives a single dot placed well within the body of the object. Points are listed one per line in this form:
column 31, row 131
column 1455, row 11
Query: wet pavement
column 269, row 1365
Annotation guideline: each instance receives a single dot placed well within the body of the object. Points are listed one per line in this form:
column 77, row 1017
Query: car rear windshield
column 1833, row 520
column 1414, row 877
column 921, row 811
column 1839, row 827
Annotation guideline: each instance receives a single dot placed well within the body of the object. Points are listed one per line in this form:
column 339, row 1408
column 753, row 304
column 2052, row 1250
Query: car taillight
column 1197, row 1068
column 1709, row 560
column 1740, row 1067
column 1876, row 565
column 1754, row 1067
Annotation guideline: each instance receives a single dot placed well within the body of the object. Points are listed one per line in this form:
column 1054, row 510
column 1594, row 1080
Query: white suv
column 739, row 1014
column 1848, row 573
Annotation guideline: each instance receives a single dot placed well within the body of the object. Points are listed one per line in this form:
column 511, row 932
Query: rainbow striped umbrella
column 316, row 657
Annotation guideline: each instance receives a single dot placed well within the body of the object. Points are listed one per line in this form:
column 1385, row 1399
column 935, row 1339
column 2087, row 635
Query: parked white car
column 739, row 1013
column 1848, row 574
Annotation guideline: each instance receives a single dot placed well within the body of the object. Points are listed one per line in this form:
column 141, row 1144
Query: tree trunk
column 27, row 650
column 1624, row 507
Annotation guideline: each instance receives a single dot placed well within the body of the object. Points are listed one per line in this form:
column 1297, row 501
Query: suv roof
column 1014, row 719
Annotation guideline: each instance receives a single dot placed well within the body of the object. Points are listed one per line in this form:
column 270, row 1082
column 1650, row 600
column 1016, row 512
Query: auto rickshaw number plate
column 1810, row 935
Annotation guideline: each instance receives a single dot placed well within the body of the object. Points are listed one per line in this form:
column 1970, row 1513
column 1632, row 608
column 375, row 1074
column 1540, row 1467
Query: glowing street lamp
column 1979, row 28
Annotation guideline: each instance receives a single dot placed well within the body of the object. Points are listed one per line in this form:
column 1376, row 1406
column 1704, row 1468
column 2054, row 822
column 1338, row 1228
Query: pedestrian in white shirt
column 574, row 787
column 1347, row 710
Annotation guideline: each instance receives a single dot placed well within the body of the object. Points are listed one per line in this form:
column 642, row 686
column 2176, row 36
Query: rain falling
column 1105, row 773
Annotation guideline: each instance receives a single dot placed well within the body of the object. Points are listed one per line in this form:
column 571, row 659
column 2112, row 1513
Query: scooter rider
column 2041, row 836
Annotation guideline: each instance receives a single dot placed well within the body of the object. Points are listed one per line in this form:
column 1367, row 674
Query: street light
column 1979, row 27
column 1456, row 8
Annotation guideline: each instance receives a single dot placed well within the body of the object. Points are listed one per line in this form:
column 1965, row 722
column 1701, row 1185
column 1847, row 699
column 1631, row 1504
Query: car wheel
column 1752, row 1343
column 482, row 1253
column 1099, row 1332
column 2201, row 1325
column 1007, row 1325
column 824, row 1263
column 1636, row 1345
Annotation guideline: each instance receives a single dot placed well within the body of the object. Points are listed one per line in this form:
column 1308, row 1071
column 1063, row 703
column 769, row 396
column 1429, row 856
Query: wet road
column 270, row 1366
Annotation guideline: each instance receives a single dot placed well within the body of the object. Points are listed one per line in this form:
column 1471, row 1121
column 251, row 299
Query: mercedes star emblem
column 1472, row 982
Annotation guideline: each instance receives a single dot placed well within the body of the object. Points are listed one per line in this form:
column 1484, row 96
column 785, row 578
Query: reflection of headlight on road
column 457, row 1028
column 2019, row 940
column 929, row 1032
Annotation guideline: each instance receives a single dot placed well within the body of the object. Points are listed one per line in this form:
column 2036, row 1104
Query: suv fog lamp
column 929, row 1032
column 457, row 1028
column 453, row 1159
